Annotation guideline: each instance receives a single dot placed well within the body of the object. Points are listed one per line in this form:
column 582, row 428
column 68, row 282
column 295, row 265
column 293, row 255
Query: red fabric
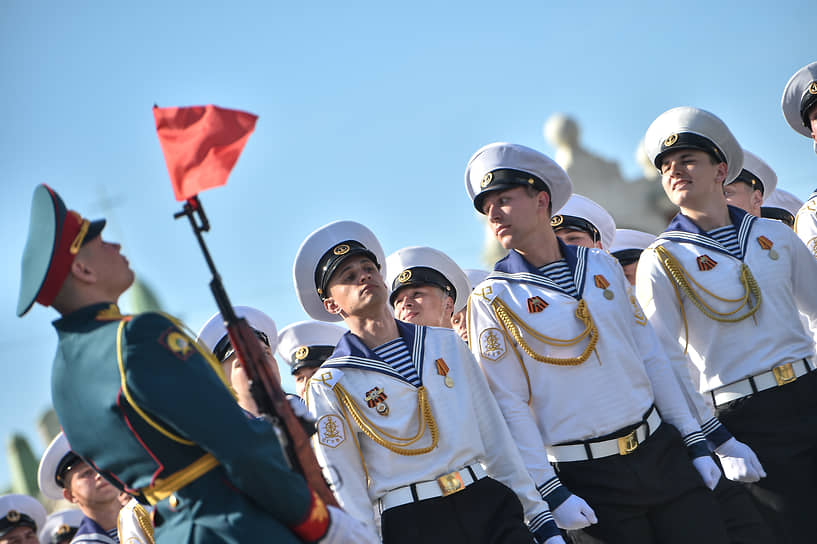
column 62, row 257
column 201, row 144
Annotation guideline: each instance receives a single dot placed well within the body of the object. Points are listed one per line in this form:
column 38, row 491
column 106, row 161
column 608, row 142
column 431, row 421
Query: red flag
column 201, row 145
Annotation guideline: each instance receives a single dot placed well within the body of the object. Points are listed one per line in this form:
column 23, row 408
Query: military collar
column 85, row 318
column 682, row 229
column 514, row 267
column 92, row 531
column 351, row 352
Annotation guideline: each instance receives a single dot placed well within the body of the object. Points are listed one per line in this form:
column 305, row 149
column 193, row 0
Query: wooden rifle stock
column 264, row 387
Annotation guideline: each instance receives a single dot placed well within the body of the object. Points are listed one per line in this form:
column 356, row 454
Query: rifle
column 265, row 389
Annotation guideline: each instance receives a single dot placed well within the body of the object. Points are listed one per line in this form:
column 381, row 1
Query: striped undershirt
column 560, row 274
column 396, row 353
column 728, row 237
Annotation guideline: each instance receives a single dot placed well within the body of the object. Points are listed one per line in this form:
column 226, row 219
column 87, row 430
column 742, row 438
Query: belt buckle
column 628, row 444
column 450, row 483
column 784, row 374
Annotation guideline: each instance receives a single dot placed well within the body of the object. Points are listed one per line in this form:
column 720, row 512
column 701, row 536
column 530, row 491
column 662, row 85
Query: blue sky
column 367, row 111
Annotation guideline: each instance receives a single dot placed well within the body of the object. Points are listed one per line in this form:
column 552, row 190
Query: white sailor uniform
column 805, row 223
column 530, row 335
column 451, row 423
column 750, row 342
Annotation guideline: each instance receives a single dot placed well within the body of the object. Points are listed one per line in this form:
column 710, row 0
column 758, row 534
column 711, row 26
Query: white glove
column 344, row 529
column 739, row 462
column 574, row 514
column 299, row 407
column 708, row 470
column 554, row 540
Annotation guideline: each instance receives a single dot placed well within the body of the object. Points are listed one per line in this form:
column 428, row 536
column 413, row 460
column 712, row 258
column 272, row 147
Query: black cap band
column 627, row 256
column 310, row 356
column 688, row 140
column 507, row 178
column 559, row 222
column 64, row 534
column 421, row 275
column 14, row 519
column 224, row 348
column 780, row 214
column 808, row 101
column 751, row 180
column 332, row 259
column 68, row 460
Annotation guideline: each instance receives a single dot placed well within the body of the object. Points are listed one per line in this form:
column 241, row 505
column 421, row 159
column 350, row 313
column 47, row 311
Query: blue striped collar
column 682, row 229
column 514, row 267
column 351, row 352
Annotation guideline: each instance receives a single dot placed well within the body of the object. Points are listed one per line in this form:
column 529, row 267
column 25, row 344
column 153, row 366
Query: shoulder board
column 327, row 376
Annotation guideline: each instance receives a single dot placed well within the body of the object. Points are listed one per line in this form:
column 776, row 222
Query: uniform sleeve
column 805, row 225
column 509, row 385
column 502, row 460
column 666, row 389
column 169, row 379
column 803, row 273
column 657, row 296
column 336, row 448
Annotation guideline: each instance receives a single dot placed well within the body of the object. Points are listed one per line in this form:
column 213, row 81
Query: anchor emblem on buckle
column 784, row 374
column 450, row 483
column 628, row 444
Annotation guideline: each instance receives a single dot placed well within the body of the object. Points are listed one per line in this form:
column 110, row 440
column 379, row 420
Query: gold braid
column 509, row 321
column 396, row 444
column 680, row 276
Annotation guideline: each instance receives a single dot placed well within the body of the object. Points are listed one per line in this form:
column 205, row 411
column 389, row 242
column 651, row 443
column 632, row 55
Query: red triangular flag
column 201, row 145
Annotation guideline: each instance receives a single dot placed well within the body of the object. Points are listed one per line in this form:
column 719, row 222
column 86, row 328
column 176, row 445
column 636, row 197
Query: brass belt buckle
column 450, row 483
column 784, row 374
column 628, row 444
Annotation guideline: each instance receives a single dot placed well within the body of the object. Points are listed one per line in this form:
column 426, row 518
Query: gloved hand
column 708, row 470
column 344, row 529
column 306, row 419
column 574, row 514
column 739, row 462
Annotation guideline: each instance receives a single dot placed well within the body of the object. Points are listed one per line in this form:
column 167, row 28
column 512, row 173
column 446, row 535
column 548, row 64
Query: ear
column 82, row 272
column 331, row 306
column 721, row 170
column 757, row 198
column 543, row 200
column 67, row 495
column 597, row 244
column 448, row 306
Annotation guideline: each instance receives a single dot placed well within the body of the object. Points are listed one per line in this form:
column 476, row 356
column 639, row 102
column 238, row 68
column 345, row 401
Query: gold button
column 173, row 501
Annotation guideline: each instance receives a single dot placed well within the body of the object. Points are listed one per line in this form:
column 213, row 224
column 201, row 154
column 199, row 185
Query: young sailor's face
column 357, row 284
column 689, row 178
column 512, row 215
column 423, row 305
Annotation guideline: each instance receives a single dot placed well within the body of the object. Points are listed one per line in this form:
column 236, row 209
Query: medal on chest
column 376, row 398
column 767, row 244
column 442, row 370
column 602, row 283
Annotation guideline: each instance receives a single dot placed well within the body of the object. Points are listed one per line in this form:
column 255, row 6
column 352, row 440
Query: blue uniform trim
column 90, row 531
column 547, row 530
column 513, row 267
column 351, row 352
column 696, row 445
column 553, row 492
column 715, row 433
column 683, row 230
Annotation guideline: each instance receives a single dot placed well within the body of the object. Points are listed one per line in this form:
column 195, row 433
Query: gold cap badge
column 13, row 516
column 486, row 179
column 341, row 249
column 671, row 139
column 301, row 353
column 404, row 276
column 812, row 88
column 556, row 220
column 63, row 530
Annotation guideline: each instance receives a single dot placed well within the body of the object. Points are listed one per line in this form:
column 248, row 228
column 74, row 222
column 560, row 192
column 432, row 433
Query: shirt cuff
column 553, row 492
column 715, row 433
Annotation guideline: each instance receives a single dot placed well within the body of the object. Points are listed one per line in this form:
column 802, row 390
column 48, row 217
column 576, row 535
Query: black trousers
column 780, row 425
column 741, row 515
column 485, row 512
column 651, row 496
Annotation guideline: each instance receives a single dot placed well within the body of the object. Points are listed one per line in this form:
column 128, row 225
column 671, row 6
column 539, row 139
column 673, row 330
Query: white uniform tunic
column 805, row 223
column 612, row 389
column 470, row 425
column 724, row 353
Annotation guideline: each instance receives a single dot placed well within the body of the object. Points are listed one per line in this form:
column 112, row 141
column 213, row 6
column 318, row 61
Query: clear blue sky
column 368, row 111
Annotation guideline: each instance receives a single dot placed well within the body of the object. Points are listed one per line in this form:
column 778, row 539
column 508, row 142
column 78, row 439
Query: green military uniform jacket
column 139, row 400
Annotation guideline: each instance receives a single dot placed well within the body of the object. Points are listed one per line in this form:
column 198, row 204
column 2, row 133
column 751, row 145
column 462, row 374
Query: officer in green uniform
column 148, row 408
